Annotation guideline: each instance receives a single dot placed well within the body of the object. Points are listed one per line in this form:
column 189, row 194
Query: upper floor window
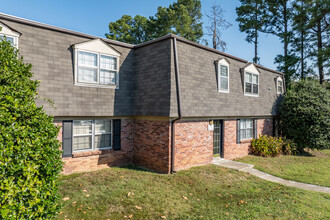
column 251, row 80
column 96, row 68
column 9, row 34
column 96, row 64
column 279, row 85
column 251, row 83
column 223, row 75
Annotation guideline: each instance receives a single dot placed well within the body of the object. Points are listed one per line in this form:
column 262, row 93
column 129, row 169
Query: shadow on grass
column 137, row 168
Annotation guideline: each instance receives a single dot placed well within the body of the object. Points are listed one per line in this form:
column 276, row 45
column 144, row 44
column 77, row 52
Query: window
column 246, row 129
column 223, row 75
column 11, row 39
column 96, row 68
column 251, row 84
column 92, row 134
column 224, row 78
column 96, row 64
column 279, row 86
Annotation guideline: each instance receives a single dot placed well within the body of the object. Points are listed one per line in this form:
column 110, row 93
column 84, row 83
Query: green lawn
column 207, row 192
column 312, row 167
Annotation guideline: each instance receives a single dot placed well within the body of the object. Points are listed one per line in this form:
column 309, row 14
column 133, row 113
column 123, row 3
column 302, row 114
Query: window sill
column 97, row 86
column 88, row 153
column 223, row 91
column 245, row 141
column 251, row 95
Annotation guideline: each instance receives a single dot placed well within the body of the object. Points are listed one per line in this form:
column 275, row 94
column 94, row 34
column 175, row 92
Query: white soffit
column 97, row 45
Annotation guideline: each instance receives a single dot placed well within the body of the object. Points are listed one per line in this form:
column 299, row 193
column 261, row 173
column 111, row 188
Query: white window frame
column 97, row 83
column 225, row 63
column 240, row 129
column 15, row 39
column 93, row 135
column 245, row 81
column 279, row 79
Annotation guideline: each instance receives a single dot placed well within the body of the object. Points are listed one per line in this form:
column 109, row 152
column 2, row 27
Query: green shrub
column 305, row 112
column 266, row 146
column 30, row 159
column 288, row 147
column 271, row 146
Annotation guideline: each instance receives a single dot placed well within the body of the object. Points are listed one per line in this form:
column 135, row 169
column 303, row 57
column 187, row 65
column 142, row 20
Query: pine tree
column 251, row 15
column 319, row 26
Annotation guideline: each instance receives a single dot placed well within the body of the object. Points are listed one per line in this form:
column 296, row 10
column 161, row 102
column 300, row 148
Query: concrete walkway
column 248, row 168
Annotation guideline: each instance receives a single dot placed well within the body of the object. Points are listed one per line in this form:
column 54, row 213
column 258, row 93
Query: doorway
column 218, row 138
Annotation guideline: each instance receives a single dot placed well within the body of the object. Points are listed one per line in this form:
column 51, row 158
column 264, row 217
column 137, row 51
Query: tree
column 278, row 20
column 30, row 158
column 319, row 25
column 251, row 18
column 130, row 30
column 301, row 38
column 217, row 23
column 304, row 114
column 182, row 18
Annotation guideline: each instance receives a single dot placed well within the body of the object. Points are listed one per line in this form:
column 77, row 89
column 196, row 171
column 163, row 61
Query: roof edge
column 205, row 48
column 131, row 46
column 62, row 30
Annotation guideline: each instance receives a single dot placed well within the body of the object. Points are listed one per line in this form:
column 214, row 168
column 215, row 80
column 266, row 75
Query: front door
column 217, row 139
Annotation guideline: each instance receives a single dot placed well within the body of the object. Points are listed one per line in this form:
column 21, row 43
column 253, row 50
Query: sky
column 93, row 17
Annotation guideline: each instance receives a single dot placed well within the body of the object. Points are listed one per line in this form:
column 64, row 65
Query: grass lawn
column 207, row 192
column 312, row 167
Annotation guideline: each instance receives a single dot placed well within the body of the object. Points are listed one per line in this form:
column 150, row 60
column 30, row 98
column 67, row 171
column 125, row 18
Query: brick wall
column 265, row 126
column 234, row 150
column 193, row 144
column 93, row 160
column 152, row 140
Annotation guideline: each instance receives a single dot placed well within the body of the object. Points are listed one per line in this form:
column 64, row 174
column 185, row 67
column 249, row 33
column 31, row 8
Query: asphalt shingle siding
column 147, row 80
column 199, row 92
column 51, row 55
column 153, row 79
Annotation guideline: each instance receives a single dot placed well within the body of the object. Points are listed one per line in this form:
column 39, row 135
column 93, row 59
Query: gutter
column 178, row 94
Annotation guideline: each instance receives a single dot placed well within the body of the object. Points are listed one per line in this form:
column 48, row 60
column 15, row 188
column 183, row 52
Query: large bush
column 30, row 159
column 305, row 115
column 272, row 146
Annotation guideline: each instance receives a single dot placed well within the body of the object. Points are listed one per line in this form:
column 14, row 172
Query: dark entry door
column 217, row 138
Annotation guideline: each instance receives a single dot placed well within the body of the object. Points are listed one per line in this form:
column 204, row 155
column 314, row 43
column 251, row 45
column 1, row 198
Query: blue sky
column 93, row 17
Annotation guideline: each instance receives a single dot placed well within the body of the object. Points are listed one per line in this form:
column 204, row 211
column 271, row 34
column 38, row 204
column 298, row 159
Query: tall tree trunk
column 319, row 52
column 215, row 30
column 286, row 43
column 302, row 41
column 255, row 60
column 302, row 54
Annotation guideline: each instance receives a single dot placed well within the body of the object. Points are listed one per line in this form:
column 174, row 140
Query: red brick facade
column 93, row 160
column 147, row 143
column 232, row 149
column 152, row 144
column 193, row 144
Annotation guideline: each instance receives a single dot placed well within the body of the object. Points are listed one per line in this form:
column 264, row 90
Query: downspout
column 178, row 94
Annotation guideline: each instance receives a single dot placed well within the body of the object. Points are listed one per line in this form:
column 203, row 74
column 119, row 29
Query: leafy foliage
column 272, row 146
column 30, row 159
column 305, row 114
column 182, row 18
column 131, row 30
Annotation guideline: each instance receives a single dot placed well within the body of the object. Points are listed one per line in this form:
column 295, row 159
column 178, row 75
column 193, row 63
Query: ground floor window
column 246, row 129
column 92, row 134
